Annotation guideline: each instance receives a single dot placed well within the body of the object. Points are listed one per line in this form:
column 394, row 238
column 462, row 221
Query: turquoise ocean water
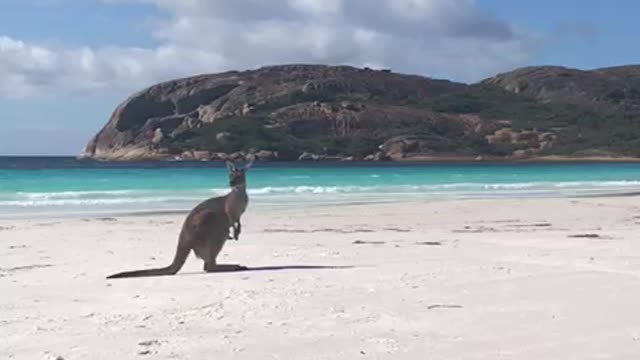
column 64, row 186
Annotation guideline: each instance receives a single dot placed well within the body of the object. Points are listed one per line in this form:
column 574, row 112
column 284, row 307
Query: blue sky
column 66, row 64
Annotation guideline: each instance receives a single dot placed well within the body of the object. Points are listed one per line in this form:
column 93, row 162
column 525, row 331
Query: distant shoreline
column 541, row 159
column 425, row 159
column 413, row 159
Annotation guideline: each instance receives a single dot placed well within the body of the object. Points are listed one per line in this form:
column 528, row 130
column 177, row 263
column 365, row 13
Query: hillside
column 312, row 112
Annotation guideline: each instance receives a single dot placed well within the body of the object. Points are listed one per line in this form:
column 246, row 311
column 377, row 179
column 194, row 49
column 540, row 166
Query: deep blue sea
column 33, row 186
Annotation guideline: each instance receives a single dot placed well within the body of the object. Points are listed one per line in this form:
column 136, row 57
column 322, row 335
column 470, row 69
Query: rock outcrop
column 300, row 99
column 316, row 112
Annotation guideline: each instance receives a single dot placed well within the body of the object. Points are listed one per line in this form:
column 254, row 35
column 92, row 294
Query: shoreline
column 533, row 160
column 97, row 163
column 307, row 207
column 427, row 159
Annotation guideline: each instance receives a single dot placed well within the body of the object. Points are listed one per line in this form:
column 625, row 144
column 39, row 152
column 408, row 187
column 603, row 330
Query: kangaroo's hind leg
column 216, row 239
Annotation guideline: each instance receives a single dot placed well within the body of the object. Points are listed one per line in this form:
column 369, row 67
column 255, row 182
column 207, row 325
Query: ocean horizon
column 65, row 186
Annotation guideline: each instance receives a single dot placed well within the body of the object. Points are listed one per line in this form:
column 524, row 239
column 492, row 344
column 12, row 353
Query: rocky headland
column 318, row 112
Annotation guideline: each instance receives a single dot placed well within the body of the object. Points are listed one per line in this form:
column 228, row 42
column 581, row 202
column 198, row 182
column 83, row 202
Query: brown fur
column 206, row 229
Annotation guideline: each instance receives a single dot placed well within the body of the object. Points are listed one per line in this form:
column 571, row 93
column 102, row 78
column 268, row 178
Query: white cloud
column 439, row 38
column 29, row 69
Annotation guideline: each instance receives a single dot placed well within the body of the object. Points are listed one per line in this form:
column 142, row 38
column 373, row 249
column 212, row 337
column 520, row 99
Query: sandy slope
column 491, row 279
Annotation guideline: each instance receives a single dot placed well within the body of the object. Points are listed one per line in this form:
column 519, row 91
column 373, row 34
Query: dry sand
column 480, row 279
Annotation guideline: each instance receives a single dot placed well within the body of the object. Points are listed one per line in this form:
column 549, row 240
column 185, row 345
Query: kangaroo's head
column 236, row 173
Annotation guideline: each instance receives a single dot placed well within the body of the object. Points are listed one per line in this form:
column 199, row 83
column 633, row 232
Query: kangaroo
column 206, row 228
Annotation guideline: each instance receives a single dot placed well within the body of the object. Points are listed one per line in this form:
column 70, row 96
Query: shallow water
column 59, row 186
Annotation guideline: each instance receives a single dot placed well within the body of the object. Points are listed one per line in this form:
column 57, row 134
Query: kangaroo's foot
column 223, row 267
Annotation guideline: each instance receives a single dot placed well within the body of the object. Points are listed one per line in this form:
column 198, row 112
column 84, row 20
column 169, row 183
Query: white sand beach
column 475, row 279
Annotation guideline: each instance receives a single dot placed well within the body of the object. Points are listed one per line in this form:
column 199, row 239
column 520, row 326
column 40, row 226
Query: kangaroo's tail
column 178, row 260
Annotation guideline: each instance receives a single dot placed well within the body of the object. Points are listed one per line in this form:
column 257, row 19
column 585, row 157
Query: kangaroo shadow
column 276, row 268
column 296, row 267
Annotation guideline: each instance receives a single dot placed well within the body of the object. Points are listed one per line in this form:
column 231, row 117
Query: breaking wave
column 272, row 193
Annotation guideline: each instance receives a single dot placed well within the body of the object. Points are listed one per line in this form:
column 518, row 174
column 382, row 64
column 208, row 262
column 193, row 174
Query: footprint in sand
column 432, row 243
column 585, row 236
column 443, row 306
column 148, row 344
column 21, row 268
column 14, row 247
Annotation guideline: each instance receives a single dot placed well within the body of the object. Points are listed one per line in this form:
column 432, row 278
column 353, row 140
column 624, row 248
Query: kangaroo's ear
column 252, row 158
column 230, row 166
